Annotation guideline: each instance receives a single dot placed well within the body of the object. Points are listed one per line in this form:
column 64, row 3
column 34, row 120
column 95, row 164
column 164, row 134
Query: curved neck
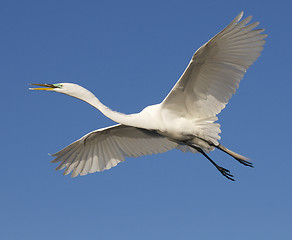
column 113, row 115
column 135, row 120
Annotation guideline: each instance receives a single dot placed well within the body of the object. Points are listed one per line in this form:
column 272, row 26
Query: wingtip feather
column 240, row 15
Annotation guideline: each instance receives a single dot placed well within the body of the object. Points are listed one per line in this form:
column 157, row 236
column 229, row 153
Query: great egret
column 185, row 119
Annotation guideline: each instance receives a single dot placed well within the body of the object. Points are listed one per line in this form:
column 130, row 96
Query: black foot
column 225, row 172
column 244, row 162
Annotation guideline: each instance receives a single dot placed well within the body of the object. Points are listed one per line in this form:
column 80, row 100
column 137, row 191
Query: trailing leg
column 243, row 160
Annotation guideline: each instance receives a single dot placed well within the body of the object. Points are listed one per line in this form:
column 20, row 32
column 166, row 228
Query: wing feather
column 101, row 156
column 88, row 162
column 95, row 164
column 81, row 164
column 105, row 148
column 66, row 160
column 215, row 70
column 71, row 165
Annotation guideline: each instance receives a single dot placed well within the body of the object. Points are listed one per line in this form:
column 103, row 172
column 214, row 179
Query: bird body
column 185, row 119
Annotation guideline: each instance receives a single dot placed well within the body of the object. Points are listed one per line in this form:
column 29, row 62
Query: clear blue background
column 130, row 54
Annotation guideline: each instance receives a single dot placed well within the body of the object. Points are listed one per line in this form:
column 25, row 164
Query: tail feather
column 208, row 130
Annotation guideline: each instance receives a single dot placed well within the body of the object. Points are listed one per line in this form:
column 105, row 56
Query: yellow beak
column 48, row 87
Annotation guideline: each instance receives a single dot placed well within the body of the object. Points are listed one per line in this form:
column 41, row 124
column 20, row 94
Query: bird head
column 70, row 89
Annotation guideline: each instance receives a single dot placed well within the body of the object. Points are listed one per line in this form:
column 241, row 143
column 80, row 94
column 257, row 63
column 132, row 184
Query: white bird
column 184, row 120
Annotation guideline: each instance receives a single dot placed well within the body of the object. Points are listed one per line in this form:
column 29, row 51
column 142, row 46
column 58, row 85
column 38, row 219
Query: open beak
column 46, row 87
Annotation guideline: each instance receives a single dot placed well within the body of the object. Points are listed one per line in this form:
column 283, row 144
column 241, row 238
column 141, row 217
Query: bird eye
column 58, row 85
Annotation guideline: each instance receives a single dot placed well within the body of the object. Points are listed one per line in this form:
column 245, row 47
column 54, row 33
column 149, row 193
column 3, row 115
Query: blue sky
column 130, row 54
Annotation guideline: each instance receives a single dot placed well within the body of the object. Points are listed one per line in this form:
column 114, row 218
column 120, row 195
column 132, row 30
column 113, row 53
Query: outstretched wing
column 216, row 69
column 105, row 148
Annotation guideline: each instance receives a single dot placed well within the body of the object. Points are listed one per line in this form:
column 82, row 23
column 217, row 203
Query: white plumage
column 186, row 117
column 105, row 148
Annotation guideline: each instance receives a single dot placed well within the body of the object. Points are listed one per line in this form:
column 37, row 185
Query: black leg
column 223, row 171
